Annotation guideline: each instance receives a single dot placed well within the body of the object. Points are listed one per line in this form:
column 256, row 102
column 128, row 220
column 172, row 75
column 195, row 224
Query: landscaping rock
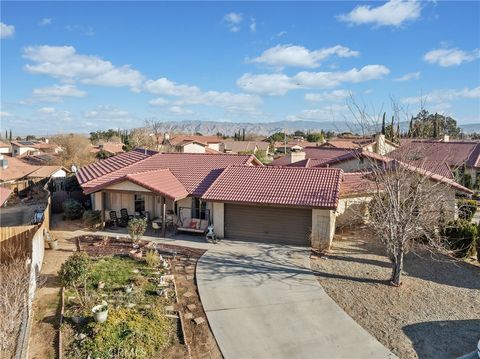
column 191, row 307
column 187, row 294
column 199, row 320
column 172, row 316
column 188, row 316
column 169, row 308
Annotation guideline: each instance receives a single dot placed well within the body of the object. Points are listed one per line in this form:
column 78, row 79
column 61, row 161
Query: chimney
column 296, row 156
column 3, row 162
column 380, row 147
column 446, row 138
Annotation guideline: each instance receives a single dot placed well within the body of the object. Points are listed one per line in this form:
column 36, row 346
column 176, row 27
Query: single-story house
column 243, row 199
column 245, row 146
column 293, row 145
column 110, row 148
column 377, row 144
column 462, row 157
column 24, row 147
column 310, row 156
column 195, row 143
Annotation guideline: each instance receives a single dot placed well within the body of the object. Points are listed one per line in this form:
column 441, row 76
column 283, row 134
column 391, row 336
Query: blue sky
column 82, row 66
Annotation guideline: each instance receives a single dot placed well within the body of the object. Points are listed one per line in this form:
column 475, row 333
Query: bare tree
column 155, row 128
column 409, row 204
column 76, row 150
column 141, row 138
column 14, row 287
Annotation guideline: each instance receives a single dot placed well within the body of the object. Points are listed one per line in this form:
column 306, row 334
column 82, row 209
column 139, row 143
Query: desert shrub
column 152, row 258
column 136, row 228
column 74, row 272
column 127, row 333
column 462, row 237
column 92, row 217
column 72, row 209
column 466, row 209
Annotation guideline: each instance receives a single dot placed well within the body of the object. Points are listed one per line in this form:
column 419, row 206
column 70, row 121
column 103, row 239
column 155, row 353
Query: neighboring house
column 33, row 147
column 41, row 159
column 4, row 148
column 310, row 156
column 109, row 148
column 236, row 147
column 18, row 175
column 378, row 144
column 462, row 157
column 195, row 143
column 294, row 145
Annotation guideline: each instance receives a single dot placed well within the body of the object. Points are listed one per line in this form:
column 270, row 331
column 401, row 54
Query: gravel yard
column 434, row 314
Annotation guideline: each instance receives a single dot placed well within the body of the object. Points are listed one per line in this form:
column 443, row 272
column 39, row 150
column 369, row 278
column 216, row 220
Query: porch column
column 323, row 228
column 102, row 207
column 164, row 216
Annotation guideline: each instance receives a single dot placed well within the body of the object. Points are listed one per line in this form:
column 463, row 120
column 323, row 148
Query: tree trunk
column 397, row 269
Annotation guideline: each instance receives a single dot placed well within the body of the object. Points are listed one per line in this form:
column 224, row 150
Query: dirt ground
column 43, row 335
column 434, row 314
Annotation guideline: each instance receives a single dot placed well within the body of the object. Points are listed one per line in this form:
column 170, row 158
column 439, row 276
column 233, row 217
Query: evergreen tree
column 410, row 128
column 383, row 124
column 6, row 135
column 10, row 137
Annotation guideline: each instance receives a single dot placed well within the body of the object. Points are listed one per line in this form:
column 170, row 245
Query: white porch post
column 164, row 216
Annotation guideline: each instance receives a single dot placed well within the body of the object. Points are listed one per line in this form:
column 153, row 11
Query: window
column 198, row 208
column 139, row 203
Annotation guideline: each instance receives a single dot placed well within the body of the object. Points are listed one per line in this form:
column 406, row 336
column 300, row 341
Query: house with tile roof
column 5, row 148
column 462, row 157
column 29, row 147
column 244, row 200
column 377, row 144
column 245, row 146
column 193, row 143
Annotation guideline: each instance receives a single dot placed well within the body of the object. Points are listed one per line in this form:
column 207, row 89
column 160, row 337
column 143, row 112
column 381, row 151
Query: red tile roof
column 195, row 171
column 161, row 181
column 454, row 153
column 320, row 154
column 111, row 164
column 4, row 194
column 349, row 143
column 287, row 186
column 357, row 183
column 201, row 139
column 4, row 145
column 109, row 147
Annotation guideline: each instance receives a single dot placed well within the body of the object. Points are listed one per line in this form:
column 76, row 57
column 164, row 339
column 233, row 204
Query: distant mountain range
column 267, row 128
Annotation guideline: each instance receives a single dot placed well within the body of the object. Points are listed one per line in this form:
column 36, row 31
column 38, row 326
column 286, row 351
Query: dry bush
column 14, row 285
column 76, row 150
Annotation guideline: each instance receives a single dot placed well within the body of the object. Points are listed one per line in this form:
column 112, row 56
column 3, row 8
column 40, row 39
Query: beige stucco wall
column 127, row 186
column 352, row 211
column 218, row 218
column 214, row 146
column 193, row 148
column 323, row 228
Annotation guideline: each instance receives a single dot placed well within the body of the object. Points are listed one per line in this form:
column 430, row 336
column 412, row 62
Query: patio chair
column 117, row 221
column 125, row 216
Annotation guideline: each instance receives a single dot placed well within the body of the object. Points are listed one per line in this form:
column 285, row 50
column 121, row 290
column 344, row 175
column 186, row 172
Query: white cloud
column 46, row 110
column 280, row 84
column 177, row 110
column 64, row 63
column 409, row 76
column 106, row 112
column 45, row 21
column 335, row 95
column 392, row 13
column 164, row 86
column 442, row 96
column 253, row 25
column 159, row 101
column 299, row 56
column 233, row 20
column 5, row 114
column 57, row 91
column 6, row 30
column 222, row 99
column 321, row 114
column 267, row 84
column 450, row 57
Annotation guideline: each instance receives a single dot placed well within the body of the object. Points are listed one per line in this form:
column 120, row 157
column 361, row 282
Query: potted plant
column 100, row 312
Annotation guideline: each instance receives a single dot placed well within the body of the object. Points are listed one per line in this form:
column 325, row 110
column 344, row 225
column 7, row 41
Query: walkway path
column 263, row 301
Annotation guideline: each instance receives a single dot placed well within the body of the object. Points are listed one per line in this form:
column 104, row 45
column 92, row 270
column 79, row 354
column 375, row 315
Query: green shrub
column 127, row 333
column 136, row 228
column 74, row 272
column 462, row 237
column 92, row 217
column 72, row 209
column 152, row 258
column 466, row 209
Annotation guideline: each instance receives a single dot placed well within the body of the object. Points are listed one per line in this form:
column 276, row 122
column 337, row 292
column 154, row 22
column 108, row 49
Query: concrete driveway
column 262, row 301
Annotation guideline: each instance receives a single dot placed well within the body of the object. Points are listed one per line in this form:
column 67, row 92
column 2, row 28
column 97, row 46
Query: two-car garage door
column 268, row 224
